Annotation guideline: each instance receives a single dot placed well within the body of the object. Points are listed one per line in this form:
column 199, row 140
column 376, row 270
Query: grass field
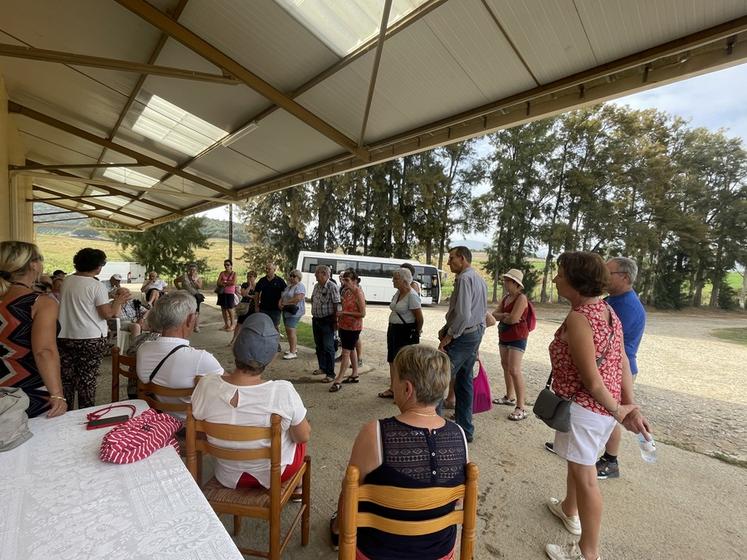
column 58, row 251
column 736, row 335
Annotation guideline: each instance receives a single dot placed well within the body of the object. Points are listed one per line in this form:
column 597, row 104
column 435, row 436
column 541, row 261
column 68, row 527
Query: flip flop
column 388, row 394
column 504, row 400
column 335, row 387
column 351, row 379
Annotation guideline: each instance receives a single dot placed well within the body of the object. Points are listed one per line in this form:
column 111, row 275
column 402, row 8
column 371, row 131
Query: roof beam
column 88, row 213
column 194, row 42
column 177, row 12
column 104, row 183
column 68, row 198
column 118, row 192
column 72, row 59
column 14, row 107
column 94, row 205
column 59, row 219
column 375, row 69
column 50, row 167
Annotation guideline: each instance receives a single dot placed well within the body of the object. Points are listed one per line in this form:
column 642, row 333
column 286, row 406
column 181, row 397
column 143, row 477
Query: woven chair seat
column 253, row 497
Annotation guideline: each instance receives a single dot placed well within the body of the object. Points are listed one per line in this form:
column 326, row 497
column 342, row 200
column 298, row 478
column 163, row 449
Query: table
column 59, row 501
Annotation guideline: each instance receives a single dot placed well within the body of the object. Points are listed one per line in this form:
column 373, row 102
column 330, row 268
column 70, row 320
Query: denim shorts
column 290, row 321
column 519, row 345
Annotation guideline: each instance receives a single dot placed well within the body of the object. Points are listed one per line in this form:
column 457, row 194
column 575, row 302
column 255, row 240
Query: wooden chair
column 123, row 366
column 149, row 392
column 245, row 502
column 407, row 499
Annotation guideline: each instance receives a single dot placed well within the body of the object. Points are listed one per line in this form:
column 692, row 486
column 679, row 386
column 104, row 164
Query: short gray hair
column 321, row 268
column 427, row 369
column 402, row 273
column 171, row 310
column 295, row 272
column 628, row 266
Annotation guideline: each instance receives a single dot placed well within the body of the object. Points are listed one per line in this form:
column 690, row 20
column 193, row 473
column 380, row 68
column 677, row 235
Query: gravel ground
column 688, row 505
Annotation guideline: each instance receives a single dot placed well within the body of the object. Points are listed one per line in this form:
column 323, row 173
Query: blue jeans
column 274, row 314
column 324, row 340
column 462, row 352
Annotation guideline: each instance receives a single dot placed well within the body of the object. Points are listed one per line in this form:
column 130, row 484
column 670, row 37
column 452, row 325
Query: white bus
column 375, row 274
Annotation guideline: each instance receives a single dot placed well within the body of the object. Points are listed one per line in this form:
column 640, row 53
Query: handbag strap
column 166, row 357
column 96, row 414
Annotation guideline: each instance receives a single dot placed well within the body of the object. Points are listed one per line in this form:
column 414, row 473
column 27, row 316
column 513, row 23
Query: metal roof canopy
column 143, row 113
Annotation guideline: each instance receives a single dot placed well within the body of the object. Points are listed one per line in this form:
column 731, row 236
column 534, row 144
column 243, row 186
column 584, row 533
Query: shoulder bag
column 14, row 428
column 410, row 330
column 554, row 410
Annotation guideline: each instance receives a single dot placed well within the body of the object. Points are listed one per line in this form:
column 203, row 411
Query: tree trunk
column 743, row 291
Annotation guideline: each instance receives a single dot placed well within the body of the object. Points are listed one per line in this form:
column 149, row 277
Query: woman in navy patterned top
column 415, row 449
column 28, row 330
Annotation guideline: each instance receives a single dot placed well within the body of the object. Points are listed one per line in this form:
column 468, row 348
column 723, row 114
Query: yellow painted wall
column 16, row 213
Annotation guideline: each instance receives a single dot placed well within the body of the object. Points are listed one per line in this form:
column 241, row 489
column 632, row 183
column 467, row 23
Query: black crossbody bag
column 554, row 410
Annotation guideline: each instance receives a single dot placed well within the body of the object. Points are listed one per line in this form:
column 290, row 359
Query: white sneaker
column 290, row 356
column 564, row 552
column 572, row 522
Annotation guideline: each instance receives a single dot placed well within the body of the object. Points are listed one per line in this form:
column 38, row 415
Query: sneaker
column 606, row 470
column 572, row 522
column 290, row 356
column 564, row 552
column 550, row 446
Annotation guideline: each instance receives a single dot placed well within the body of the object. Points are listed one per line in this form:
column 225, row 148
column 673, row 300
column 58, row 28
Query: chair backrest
column 122, row 365
column 407, row 499
column 150, row 391
column 197, row 444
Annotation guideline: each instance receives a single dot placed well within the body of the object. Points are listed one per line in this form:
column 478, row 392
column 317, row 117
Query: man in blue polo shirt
column 624, row 300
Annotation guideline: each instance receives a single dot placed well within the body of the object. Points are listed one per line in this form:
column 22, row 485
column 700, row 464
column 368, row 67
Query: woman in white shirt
column 243, row 398
column 84, row 309
column 405, row 321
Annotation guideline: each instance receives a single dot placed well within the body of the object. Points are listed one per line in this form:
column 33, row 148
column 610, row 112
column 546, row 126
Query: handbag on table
column 14, row 428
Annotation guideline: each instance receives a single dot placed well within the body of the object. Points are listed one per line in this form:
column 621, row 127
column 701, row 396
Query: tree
column 166, row 248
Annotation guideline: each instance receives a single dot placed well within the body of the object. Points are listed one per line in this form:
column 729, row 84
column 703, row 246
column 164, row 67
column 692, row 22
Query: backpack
column 531, row 316
column 139, row 437
column 14, row 429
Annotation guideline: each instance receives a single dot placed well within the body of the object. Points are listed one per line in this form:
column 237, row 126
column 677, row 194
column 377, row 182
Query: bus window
column 387, row 270
column 369, row 269
column 309, row 264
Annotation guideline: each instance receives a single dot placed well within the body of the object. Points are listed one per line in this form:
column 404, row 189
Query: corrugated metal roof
column 449, row 70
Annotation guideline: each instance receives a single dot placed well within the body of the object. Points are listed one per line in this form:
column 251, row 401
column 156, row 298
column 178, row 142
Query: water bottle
column 648, row 448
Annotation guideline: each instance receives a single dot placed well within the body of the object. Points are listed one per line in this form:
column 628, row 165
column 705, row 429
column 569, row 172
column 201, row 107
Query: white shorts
column 587, row 437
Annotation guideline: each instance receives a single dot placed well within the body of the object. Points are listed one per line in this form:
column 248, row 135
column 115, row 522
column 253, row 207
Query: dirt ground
column 688, row 505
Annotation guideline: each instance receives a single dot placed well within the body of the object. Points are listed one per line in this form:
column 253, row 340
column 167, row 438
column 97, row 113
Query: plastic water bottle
column 648, row 448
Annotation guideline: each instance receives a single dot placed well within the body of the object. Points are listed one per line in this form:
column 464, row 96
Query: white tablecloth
column 58, row 501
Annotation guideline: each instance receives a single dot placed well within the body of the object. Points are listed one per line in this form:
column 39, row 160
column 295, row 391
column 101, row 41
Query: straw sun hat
column 516, row 275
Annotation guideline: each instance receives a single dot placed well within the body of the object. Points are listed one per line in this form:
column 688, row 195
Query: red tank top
column 517, row 331
column 566, row 379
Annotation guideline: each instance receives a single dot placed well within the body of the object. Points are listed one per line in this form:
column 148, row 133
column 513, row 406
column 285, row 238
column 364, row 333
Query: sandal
column 328, row 379
column 351, row 379
column 334, row 537
column 335, row 387
column 388, row 394
column 504, row 400
column 518, row 414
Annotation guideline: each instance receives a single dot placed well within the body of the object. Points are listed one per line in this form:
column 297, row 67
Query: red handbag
column 139, row 437
column 481, row 397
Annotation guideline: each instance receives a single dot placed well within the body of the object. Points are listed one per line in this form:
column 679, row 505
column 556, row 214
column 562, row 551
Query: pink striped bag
column 139, row 437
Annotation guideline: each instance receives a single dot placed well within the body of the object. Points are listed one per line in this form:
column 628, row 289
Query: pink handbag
column 481, row 397
column 139, row 437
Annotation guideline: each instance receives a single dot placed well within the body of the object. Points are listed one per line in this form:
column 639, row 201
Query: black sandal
column 388, row 394
column 351, row 379
column 334, row 537
column 335, row 387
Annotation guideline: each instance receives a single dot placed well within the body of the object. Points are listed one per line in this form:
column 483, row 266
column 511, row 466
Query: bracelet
column 59, row 398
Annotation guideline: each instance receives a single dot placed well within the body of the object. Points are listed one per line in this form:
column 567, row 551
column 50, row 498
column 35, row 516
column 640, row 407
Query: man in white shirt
column 174, row 314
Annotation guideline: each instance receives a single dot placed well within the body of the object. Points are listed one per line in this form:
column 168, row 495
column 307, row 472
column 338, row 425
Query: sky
column 715, row 100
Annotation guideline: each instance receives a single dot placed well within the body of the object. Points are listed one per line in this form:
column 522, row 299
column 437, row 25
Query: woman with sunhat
column 513, row 331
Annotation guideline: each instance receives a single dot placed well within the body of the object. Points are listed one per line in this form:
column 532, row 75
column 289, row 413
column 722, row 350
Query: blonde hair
column 427, row 369
column 15, row 257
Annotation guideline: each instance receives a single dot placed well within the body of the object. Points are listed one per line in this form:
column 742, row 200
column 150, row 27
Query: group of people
column 61, row 349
